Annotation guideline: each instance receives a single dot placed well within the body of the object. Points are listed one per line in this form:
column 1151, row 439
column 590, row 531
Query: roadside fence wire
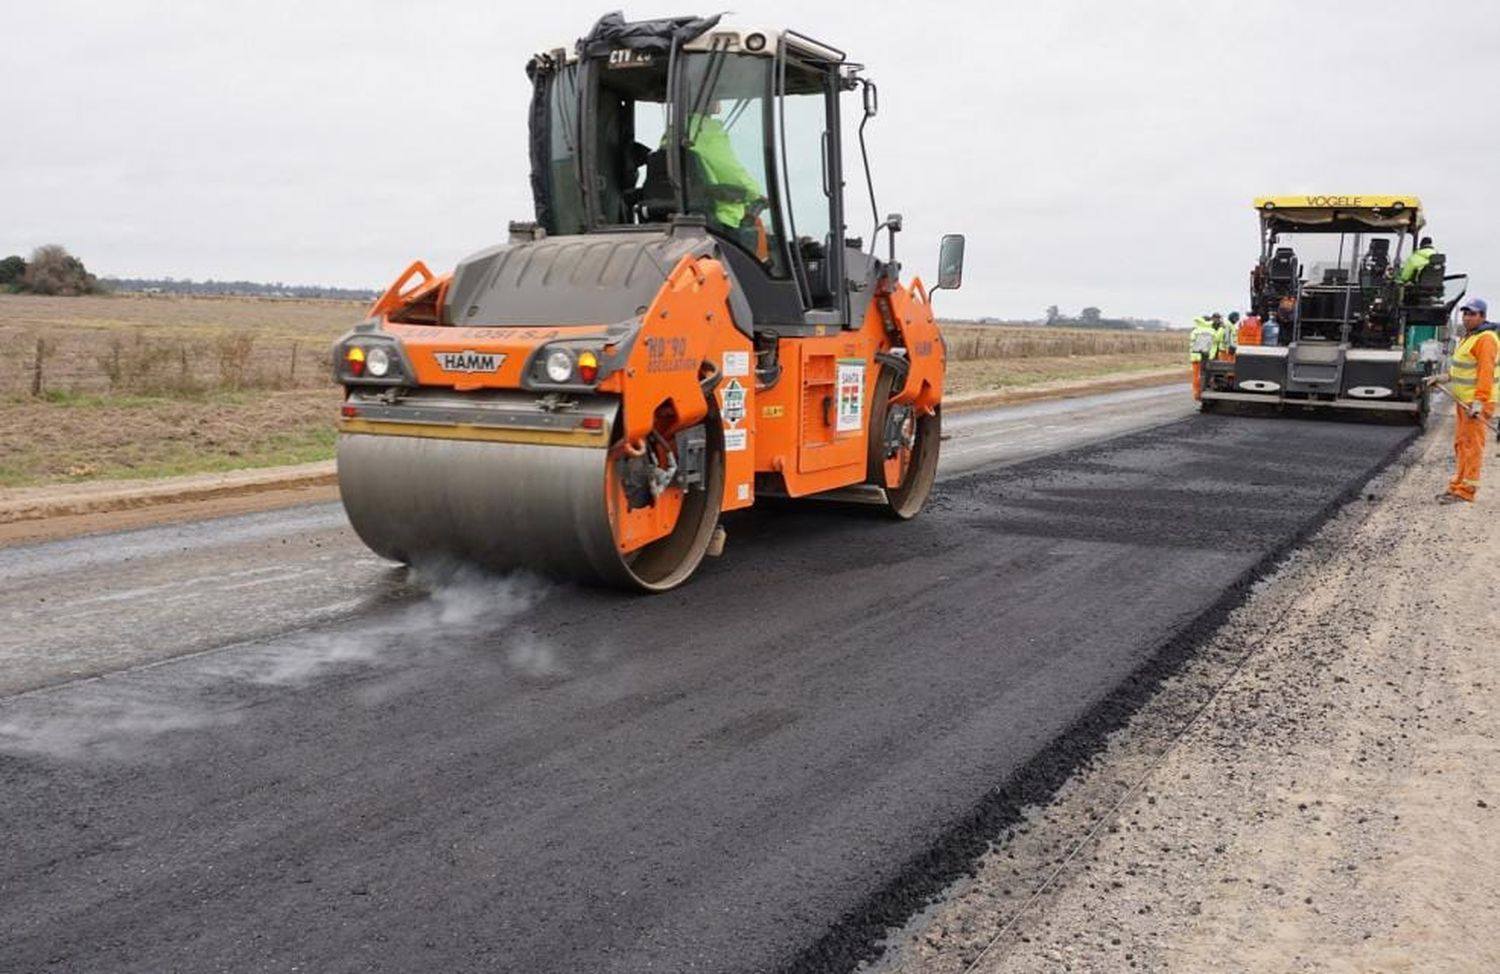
column 113, row 364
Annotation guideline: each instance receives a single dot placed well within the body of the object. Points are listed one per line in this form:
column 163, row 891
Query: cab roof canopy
column 1339, row 214
column 656, row 37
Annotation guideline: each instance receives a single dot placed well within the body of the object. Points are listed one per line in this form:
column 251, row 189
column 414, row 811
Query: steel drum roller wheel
column 513, row 506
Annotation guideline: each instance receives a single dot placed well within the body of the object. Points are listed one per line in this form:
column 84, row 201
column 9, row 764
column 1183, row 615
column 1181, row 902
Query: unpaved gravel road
column 1332, row 803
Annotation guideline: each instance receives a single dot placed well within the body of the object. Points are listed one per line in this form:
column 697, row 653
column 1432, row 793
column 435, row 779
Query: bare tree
column 52, row 270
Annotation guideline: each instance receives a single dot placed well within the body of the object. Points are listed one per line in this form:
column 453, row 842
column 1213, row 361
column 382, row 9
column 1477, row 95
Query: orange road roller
column 686, row 324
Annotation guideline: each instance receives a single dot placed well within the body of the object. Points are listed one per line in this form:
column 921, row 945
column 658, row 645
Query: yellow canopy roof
column 1340, row 213
column 1338, row 202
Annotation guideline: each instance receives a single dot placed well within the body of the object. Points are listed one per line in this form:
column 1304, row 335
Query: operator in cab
column 1418, row 260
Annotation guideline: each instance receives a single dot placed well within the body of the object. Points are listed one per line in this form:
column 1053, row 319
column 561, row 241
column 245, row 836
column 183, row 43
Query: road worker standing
column 1203, row 345
column 1221, row 334
column 1471, row 380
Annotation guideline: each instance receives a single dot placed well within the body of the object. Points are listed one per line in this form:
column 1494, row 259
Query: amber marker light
column 588, row 366
column 354, row 358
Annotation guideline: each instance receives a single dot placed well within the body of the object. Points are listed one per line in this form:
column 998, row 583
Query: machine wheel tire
column 665, row 564
column 906, row 500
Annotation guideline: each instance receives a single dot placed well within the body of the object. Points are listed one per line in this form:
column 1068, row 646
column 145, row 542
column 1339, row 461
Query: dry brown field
column 969, row 342
column 147, row 386
column 159, row 345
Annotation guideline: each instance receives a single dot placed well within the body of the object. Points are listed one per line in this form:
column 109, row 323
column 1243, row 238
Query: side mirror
column 1455, row 286
column 872, row 99
column 950, row 262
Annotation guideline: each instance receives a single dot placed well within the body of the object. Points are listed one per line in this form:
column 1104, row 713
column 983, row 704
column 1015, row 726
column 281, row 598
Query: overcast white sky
column 1094, row 153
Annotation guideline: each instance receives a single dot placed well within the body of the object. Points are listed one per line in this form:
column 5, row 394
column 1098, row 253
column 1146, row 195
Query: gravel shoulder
column 1317, row 790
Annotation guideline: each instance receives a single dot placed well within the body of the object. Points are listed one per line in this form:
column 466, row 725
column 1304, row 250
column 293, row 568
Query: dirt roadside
column 33, row 514
column 1318, row 790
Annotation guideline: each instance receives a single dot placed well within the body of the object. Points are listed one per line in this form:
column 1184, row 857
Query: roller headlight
column 559, row 366
column 378, row 362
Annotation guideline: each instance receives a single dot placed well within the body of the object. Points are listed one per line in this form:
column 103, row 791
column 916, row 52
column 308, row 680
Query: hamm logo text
column 467, row 361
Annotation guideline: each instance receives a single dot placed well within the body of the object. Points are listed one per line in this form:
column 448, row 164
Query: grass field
column 148, row 386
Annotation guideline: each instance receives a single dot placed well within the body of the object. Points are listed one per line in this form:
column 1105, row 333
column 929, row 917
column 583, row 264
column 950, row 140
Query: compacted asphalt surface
column 250, row 745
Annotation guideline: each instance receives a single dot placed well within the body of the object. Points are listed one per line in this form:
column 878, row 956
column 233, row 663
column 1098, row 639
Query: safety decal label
column 469, row 361
column 736, row 363
column 851, row 395
column 743, row 492
column 733, row 403
column 735, row 441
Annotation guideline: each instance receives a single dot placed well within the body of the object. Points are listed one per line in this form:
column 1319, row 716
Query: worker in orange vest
column 1471, row 379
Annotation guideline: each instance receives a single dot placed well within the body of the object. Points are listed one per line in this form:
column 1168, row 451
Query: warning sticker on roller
column 736, row 363
column 851, row 395
column 733, row 403
column 735, row 441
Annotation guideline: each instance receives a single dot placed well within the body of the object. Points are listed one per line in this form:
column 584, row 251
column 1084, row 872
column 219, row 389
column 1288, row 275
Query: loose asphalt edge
column 861, row 935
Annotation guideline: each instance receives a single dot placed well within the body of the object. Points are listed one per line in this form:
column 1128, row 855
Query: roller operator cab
column 686, row 325
column 1340, row 329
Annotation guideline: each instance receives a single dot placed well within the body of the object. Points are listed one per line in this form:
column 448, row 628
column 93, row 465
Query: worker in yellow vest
column 1203, row 345
column 1471, row 380
column 1221, row 333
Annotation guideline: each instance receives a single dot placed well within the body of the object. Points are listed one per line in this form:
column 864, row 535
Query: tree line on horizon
column 1087, row 318
column 277, row 289
column 51, row 270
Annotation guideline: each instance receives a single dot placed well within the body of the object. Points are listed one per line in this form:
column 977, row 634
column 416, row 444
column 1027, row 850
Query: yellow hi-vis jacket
column 1472, row 374
column 1414, row 264
column 1203, row 341
column 709, row 141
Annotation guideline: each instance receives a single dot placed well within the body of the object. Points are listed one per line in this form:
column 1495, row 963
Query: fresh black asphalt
column 756, row 772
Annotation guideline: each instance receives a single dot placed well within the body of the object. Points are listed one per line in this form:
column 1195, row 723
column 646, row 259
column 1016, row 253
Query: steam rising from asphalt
column 462, row 606
column 464, row 614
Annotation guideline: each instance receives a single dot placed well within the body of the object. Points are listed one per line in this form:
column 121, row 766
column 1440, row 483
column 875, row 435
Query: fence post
column 292, row 375
column 36, row 371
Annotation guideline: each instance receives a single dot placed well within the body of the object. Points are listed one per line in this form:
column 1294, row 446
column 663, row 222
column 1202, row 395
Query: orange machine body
column 812, row 428
column 675, row 333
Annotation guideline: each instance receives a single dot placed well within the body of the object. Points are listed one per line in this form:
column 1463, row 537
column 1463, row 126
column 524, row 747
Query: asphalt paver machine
column 1342, row 331
column 685, row 326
